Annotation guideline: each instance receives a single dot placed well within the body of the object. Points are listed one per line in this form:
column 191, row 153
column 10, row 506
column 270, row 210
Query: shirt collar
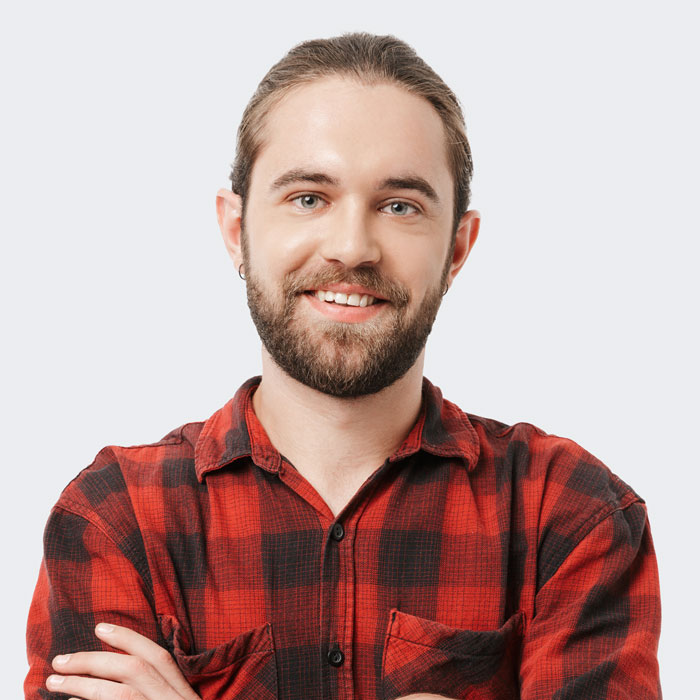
column 234, row 432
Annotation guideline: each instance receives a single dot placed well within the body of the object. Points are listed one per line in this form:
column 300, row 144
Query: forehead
column 355, row 131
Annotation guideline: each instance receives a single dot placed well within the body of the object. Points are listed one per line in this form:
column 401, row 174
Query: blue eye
column 400, row 208
column 308, row 201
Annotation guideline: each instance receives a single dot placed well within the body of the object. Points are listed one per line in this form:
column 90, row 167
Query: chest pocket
column 421, row 656
column 243, row 668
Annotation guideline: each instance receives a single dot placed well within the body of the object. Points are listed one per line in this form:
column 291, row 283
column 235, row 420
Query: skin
column 358, row 137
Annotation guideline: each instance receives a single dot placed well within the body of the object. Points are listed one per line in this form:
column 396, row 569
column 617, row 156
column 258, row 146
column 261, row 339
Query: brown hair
column 369, row 59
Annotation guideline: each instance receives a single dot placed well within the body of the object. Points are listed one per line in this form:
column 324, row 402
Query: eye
column 308, row 201
column 399, row 208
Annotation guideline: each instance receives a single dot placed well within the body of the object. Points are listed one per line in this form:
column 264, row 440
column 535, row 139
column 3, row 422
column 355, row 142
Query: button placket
column 338, row 679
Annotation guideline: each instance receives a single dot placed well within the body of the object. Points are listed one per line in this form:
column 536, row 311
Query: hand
column 145, row 672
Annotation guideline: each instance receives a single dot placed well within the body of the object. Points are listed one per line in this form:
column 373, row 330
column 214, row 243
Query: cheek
column 276, row 248
column 416, row 262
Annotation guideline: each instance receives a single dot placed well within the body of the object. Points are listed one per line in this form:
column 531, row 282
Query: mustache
column 368, row 277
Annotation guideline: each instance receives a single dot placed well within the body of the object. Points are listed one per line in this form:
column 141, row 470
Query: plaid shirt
column 479, row 561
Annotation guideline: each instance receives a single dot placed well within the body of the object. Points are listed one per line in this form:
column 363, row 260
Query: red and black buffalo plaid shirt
column 479, row 561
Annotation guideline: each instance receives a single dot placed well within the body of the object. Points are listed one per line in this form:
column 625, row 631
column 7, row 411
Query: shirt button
column 336, row 657
column 337, row 533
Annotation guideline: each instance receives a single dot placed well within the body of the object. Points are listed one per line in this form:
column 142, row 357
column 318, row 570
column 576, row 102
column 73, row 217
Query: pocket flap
column 241, row 668
column 423, row 656
column 457, row 642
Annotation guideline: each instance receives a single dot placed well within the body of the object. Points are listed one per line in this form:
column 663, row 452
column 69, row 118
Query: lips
column 352, row 299
column 337, row 287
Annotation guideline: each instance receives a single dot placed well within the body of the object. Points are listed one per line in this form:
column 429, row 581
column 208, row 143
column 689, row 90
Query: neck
column 336, row 443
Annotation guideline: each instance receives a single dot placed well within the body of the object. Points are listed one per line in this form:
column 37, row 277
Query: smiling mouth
column 343, row 299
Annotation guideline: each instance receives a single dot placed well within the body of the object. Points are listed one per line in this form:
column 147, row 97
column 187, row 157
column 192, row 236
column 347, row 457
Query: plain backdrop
column 123, row 317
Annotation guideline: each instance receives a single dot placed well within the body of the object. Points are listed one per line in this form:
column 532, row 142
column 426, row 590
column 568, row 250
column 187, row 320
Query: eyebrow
column 402, row 182
column 298, row 175
column 411, row 182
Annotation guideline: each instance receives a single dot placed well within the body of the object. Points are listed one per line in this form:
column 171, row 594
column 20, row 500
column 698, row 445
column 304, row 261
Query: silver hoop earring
column 240, row 274
column 445, row 290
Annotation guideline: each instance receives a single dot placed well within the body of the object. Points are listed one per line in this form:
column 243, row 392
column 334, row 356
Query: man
column 338, row 529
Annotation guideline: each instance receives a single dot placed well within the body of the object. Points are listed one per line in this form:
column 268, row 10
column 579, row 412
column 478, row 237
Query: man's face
column 347, row 233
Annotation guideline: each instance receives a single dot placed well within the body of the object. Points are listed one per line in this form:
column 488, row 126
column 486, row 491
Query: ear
column 466, row 236
column 229, row 207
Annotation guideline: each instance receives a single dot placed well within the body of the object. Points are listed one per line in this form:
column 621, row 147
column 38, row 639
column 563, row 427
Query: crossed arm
column 596, row 626
column 145, row 672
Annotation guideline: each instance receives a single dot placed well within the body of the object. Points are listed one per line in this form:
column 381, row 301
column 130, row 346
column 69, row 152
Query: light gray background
column 577, row 311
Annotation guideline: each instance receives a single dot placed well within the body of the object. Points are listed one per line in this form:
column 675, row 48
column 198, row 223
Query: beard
column 342, row 359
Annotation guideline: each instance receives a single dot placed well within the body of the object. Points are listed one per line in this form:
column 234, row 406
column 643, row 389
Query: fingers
column 109, row 676
column 92, row 688
column 146, row 649
column 145, row 672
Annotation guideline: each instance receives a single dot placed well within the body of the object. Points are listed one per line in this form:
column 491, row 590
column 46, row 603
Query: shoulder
column 551, row 484
column 121, row 479
column 525, row 455
column 555, row 492
column 524, row 465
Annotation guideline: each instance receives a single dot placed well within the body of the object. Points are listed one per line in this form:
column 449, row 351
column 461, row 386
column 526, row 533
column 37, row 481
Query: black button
column 337, row 532
column 336, row 657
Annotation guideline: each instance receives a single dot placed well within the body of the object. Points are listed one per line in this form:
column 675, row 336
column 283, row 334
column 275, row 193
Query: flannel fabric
column 479, row 561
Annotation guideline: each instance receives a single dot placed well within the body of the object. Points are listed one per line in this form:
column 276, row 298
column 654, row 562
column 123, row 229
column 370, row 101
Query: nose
column 350, row 237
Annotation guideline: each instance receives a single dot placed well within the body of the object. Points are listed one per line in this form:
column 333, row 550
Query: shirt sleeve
column 596, row 625
column 86, row 577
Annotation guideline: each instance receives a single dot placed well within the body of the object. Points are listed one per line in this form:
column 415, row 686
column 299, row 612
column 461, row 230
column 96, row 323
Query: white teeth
column 353, row 299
